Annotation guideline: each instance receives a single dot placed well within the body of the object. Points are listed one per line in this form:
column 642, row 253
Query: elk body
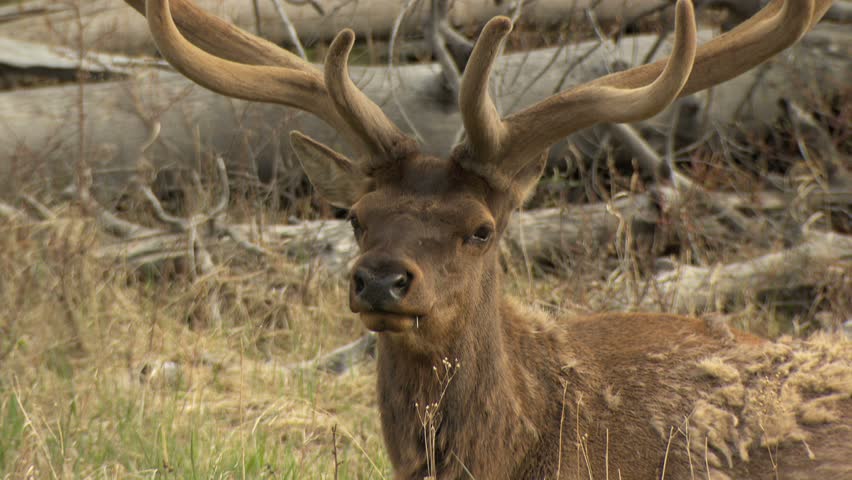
column 633, row 396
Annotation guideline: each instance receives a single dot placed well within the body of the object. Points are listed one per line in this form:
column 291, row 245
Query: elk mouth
column 391, row 322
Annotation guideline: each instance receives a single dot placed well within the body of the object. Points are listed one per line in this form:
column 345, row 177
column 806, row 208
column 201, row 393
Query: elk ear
column 336, row 178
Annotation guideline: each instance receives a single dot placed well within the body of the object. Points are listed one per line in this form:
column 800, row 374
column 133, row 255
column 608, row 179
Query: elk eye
column 356, row 225
column 481, row 235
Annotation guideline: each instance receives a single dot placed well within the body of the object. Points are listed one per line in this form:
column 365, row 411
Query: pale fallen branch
column 198, row 255
column 697, row 289
column 177, row 224
column 11, row 213
column 22, row 54
column 341, row 359
column 43, row 212
column 109, row 221
column 292, row 36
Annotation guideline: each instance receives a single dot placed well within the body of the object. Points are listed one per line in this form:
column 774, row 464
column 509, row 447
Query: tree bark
column 39, row 140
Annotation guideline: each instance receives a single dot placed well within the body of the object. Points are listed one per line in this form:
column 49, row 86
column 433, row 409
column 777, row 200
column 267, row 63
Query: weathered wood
column 22, row 54
column 24, row 64
column 111, row 25
column 690, row 289
column 559, row 232
column 11, row 213
column 341, row 359
column 544, row 234
column 39, row 131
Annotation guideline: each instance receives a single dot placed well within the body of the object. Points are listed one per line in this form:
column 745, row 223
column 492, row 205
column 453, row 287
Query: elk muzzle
column 380, row 289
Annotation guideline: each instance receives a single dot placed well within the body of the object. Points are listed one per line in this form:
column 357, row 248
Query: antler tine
column 299, row 85
column 624, row 96
column 359, row 112
column 516, row 141
column 777, row 26
column 483, row 126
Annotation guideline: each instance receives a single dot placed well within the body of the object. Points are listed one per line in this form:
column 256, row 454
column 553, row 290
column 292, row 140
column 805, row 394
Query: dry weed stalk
column 430, row 415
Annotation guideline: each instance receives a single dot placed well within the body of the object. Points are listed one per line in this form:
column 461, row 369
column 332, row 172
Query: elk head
column 428, row 228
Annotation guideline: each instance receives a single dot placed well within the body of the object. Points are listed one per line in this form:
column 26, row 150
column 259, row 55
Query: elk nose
column 380, row 290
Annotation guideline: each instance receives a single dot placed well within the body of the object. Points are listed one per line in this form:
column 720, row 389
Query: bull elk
column 633, row 396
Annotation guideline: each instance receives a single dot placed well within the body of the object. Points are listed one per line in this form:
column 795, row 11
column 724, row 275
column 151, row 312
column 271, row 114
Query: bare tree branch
column 177, row 224
column 449, row 67
column 292, row 35
column 108, row 220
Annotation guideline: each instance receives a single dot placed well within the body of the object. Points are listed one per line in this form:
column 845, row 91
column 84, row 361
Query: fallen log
column 693, row 289
column 543, row 234
column 40, row 134
column 113, row 26
column 21, row 54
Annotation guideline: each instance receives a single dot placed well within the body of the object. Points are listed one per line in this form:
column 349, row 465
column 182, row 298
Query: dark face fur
column 427, row 233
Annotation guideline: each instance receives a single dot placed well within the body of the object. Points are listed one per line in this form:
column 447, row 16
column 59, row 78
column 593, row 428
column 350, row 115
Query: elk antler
column 288, row 80
column 500, row 148
column 224, row 40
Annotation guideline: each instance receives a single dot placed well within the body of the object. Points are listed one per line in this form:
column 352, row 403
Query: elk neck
column 486, row 379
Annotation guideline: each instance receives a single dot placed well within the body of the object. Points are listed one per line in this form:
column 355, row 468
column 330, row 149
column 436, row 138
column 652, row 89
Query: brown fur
column 511, row 393
column 616, row 391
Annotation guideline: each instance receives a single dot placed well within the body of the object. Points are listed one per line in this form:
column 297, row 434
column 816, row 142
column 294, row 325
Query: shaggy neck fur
column 621, row 395
column 481, row 391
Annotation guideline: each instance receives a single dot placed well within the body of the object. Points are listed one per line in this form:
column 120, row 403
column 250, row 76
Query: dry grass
column 102, row 378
